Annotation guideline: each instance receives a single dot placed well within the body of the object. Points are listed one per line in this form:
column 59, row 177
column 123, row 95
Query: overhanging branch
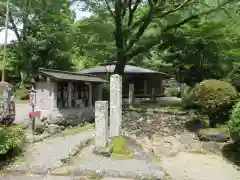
column 184, row 21
column 143, row 27
column 109, row 9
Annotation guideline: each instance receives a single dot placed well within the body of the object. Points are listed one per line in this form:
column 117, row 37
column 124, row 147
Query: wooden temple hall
column 63, row 89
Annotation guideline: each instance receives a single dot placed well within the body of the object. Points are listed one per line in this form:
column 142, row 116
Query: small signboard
column 34, row 114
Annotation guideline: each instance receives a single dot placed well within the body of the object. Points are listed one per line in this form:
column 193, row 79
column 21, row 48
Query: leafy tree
column 44, row 39
column 132, row 20
column 93, row 40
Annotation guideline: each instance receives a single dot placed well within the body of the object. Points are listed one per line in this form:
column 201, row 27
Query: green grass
column 119, row 148
column 77, row 129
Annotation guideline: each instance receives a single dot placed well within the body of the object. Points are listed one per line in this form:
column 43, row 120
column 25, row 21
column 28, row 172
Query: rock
column 62, row 128
column 40, row 127
column 53, row 129
column 166, row 146
column 106, row 152
column 214, row 134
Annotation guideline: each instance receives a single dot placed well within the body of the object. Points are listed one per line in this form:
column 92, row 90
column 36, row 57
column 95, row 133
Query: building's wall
column 46, row 95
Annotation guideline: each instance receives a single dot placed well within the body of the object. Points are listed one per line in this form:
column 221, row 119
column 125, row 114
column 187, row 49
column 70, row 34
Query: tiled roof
column 128, row 70
column 67, row 75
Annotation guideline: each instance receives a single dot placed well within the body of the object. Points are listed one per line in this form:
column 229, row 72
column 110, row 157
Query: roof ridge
column 66, row 72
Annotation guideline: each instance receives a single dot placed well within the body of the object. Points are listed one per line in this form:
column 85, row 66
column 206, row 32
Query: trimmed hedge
column 215, row 98
column 234, row 123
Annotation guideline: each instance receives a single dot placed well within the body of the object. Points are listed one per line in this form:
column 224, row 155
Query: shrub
column 234, row 123
column 11, row 138
column 187, row 100
column 215, row 98
column 172, row 91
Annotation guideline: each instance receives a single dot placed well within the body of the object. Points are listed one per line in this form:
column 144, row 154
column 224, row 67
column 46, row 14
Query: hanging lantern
column 32, row 97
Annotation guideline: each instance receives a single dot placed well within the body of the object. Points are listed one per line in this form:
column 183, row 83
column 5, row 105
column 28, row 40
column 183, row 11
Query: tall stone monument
column 115, row 104
column 7, row 105
column 101, row 124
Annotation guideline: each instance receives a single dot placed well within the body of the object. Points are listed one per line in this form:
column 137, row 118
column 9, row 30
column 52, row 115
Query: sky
column 11, row 35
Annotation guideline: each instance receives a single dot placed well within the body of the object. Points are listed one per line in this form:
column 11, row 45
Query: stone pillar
column 145, row 87
column 131, row 94
column 182, row 89
column 153, row 95
column 70, row 93
column 89, row 94
column 115, row 104
column 101, row 124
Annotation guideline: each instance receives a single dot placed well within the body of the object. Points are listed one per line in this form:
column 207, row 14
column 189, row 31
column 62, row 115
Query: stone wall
column 46, row 96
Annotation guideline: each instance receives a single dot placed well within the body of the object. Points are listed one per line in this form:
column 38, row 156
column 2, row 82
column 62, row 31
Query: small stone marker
column 115, row 104
column 131, row 94
column 101, row 124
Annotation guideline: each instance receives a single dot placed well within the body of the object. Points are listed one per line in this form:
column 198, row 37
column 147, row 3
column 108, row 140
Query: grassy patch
column 77, row 129
column 94, row 175
column 198, row 151
column 119, row 148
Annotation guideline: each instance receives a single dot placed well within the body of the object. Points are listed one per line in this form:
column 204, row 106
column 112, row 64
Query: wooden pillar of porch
column 70, row 92
column 145, row 87
column 89, row 94
column 131, row 94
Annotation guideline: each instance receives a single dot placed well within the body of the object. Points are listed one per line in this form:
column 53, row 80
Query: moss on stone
column 77, row 129
column 198, row 151
column 119, row 148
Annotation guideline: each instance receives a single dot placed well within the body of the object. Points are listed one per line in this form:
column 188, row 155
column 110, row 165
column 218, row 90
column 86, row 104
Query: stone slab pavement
column 50, row 153
column 87, row 162
column 48, row 177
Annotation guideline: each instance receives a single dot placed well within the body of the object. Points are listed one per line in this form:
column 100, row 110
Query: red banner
column 35, row 113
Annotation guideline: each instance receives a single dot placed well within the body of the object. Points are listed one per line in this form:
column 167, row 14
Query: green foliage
column 215, row 98
column 11, row 137
column 172, row 91
column 234, row 123
column 22, row 94
column 44, row 39
column 234, row 77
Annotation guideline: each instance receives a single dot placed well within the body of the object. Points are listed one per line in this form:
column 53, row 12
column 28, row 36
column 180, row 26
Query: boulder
column 106, row 152
column 166, row 146
column 214, row 134
column 53, row 129
column 40, row 127
column 7, row 105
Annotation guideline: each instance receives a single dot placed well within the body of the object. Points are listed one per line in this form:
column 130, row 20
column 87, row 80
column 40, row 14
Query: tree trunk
column 119, row 37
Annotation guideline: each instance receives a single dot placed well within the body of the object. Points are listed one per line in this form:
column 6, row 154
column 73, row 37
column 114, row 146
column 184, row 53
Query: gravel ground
column 188, row 166
column 49, row 153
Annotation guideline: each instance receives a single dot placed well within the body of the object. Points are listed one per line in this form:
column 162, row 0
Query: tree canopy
column 191, row 39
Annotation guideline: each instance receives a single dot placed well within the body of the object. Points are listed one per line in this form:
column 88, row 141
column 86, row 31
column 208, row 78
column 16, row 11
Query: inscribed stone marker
column 101, row 123
column 115, row 104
